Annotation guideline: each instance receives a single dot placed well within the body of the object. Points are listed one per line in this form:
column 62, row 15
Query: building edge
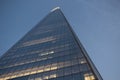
column 90, row 62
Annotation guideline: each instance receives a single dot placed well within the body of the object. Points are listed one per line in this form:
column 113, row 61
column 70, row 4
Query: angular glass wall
column 49, row 51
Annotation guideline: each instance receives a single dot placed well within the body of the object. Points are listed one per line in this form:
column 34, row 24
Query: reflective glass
column 50, row 51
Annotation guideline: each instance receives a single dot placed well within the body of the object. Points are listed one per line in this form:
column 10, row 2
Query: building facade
column 50, row 51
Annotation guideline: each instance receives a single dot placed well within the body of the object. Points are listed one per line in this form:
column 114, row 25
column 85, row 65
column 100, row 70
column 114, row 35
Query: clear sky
column 96, row 22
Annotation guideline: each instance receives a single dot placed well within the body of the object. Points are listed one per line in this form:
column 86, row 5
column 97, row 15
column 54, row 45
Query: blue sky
column 96, row 22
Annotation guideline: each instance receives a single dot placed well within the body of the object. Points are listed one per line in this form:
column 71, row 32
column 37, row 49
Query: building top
column 56, row 8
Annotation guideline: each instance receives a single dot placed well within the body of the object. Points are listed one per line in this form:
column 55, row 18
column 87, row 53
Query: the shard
column 49, row 51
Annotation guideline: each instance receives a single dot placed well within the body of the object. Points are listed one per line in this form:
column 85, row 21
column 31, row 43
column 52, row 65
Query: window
column 82, row 61
column 67, row 70
column 47, row 68
column 84, row 67
column 37, row 79
column 52, row 76
column 38, row 41
column 46, row 53
column 89, row 76
column 75, row 69
column 54, row 66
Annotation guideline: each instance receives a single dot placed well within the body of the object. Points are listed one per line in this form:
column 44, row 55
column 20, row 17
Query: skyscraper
column 50, row 51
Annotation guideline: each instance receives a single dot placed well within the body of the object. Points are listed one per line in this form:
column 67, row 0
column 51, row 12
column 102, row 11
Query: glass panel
column 89, row 76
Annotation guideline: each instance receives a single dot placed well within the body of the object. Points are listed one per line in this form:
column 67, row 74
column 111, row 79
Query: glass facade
column 50, row 51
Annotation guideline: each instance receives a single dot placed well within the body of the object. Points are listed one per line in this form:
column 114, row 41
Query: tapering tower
column 49, row 51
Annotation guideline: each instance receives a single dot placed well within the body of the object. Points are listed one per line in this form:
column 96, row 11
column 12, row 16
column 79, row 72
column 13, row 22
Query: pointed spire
column 56, row 8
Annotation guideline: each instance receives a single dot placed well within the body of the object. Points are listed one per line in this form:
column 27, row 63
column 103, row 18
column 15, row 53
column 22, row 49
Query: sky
column 96, row 23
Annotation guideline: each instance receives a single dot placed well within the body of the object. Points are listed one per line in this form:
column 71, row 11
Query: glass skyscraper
column 50, row 51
